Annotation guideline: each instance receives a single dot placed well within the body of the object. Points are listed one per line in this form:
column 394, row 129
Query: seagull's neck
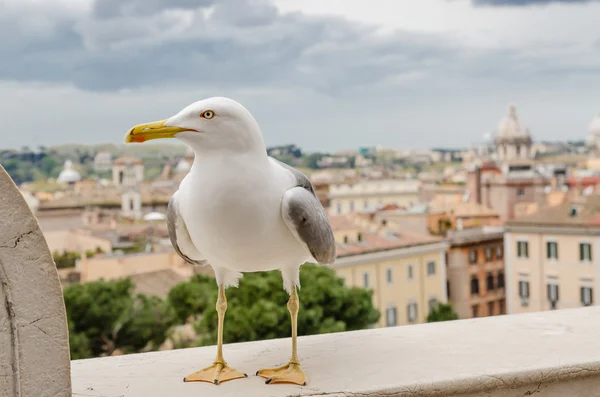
column 209, row 159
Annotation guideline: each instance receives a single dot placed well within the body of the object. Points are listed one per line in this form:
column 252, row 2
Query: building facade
column 552, row 259
column 405, row 271
column 346, row 198
column 475, row 269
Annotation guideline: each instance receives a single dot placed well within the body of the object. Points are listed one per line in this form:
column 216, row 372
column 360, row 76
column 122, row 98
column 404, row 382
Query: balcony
column 543, row 354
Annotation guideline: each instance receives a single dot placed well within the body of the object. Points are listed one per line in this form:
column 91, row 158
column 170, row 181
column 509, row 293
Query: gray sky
column 325, row 74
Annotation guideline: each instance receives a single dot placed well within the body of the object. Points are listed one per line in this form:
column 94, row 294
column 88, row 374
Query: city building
column 406, row 271
column 513, row 140
column 552, row 257
column 350, row 197
column 514, row 183
column 594, row 133
column 475, row 271
column 445, row 216
column 69, row 175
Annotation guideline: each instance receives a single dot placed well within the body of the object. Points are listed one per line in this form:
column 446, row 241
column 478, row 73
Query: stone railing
column 538, row 354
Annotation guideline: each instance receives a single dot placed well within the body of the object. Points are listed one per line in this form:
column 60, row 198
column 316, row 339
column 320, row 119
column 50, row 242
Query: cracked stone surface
column 547, row 354
column 34, row 344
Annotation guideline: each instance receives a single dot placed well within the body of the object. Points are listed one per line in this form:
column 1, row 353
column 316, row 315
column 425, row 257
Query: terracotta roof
column 341, row 222
column 463, row 210
column 582, row 212
column 107, row 196
column 128, row 160
column 157, row 283
column 574, row 181
column 372, row 242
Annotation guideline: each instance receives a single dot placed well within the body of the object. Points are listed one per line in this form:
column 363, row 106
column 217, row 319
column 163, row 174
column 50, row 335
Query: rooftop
column 373, row 242
column 581, row 212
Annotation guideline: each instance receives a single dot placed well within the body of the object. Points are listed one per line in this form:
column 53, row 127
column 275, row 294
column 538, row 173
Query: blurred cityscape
column 508, row 226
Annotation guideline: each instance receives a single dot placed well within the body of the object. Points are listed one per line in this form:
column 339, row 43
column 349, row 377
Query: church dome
column 185, row 164
column 510, row 127
column 594, row 128
column 68, row 174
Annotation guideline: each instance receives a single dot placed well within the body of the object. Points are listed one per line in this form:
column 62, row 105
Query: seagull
column 240, row 210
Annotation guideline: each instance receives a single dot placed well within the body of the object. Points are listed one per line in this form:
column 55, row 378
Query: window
column 390, row 317
column 587, row 297
column 552, row 250
column 488, row 254
column 475, row 310
column 383, row 222
column 585, row 252
column 491, row 308
column 490, row 282
column 524, row 290
column 359, row 237
column 431, row 268
column 448, row 288
column 366, row 280
column 474, row 286
column 522, row 249
column 432, row 303
column 553, row 295
column 473, row 256
column 388, row 275
column 121, row 175
column 518, row 151
column 339, row 208
column 520, row 192
column 131, row 204
column 345, row 239
column 500, row 279
column 410, row 272
column 501, row 306
column 351, row 206
column 412, row 312
column 499, row 252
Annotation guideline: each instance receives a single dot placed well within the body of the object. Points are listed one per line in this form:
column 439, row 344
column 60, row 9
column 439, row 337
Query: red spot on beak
column 138, row 138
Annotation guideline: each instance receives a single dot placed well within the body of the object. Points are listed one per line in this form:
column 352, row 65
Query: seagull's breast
column 233, row 215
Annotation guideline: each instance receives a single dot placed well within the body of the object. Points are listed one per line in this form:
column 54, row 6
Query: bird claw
column 216, row 374
column 290, row 373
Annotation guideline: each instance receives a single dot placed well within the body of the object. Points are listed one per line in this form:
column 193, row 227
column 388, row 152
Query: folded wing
column 179, row 235
column 305, row 216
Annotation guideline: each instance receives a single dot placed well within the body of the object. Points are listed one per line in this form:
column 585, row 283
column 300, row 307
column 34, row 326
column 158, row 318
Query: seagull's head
column 208, row 125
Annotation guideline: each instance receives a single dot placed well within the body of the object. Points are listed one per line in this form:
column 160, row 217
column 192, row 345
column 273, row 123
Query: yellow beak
column 156, row 130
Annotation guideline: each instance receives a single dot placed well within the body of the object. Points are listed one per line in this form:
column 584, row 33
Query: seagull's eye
column 207, row 114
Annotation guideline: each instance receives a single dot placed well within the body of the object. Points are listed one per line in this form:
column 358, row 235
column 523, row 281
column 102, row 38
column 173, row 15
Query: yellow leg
column 292, row 372
column 219, row 371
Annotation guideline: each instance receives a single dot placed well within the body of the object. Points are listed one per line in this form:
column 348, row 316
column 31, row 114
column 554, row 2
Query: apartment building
column 551, row 257
column 406, row 271
column 476, row 280
column 346, row 198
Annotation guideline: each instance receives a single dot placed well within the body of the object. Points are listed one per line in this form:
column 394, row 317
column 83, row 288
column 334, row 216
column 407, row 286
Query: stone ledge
column 543, row 354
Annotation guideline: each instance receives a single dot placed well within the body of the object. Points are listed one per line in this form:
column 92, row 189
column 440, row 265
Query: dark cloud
column 103, row 9
column 517, row 3
column 229, row 43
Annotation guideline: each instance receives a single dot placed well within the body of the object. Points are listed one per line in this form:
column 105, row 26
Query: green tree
column 257, row 309
column 312, row 159
column 106, row 315
column 442, row 312
column 192, row 298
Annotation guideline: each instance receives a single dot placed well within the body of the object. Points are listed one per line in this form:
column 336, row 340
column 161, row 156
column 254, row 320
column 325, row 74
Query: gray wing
column 179, row 235
column 305, row 216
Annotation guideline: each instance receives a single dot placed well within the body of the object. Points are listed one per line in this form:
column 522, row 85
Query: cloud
column 134, row 43
column 83, row 60
column 526, row 2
